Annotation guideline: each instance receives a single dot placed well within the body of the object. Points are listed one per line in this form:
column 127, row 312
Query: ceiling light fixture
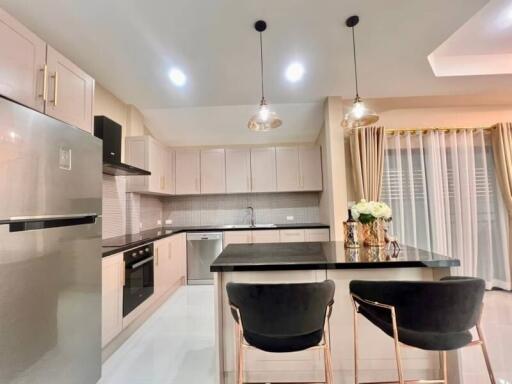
column 294, row 72
column 359, row 115
column 177, row 77
column 265, row 119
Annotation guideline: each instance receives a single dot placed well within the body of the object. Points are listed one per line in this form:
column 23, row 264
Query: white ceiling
column 482, row 46
column 129, row 46
column 227, row 125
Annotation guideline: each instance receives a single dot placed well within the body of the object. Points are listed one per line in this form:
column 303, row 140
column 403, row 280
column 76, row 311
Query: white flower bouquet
column 367, row 212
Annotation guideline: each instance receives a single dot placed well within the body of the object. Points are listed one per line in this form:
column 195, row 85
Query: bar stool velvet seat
column 281, row 318
column 434, row 316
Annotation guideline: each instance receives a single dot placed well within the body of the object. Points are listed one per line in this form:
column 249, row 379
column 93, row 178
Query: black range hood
column 110, row 132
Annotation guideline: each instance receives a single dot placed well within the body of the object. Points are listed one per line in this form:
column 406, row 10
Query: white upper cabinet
column 310, row 159
column 147, row 153
column 213, row 171
column 287, row 168
column 22, row 63
column 238, row 170
column 263, row 170
column 299, row 169
column 70, row 91
column 188, row 171
column 170, row 169
column 36, row 75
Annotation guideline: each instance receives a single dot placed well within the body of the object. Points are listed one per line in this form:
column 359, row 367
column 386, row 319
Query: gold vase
column 374, row 234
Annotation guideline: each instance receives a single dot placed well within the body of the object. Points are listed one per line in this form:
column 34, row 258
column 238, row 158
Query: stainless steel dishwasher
column 202, row 249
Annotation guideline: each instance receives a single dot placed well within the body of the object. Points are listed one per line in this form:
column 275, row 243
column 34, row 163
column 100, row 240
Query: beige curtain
column 367, row 151
column 502, row 151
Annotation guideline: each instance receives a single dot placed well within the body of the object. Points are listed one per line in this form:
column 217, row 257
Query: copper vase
column 374, row 234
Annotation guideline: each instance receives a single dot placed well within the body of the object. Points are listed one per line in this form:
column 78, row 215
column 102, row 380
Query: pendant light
column 265, row 119
column 359, row 115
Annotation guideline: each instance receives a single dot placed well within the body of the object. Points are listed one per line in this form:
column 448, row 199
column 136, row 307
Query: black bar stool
column 434, row 316
column 281, row 318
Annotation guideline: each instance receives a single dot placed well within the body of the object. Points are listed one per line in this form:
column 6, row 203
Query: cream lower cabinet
column 292, row 235
column 237, row 237
column 317, row 234
column 265, row 236
column 276, row 236
column 112, row 279
column 178, row 258
column 170, row 262
column 161, row 263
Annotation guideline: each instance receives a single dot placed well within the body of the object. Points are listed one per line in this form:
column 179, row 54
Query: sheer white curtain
column 444, row 195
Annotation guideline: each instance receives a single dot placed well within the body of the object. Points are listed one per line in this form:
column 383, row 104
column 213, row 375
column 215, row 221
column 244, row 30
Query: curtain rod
column 401, row 131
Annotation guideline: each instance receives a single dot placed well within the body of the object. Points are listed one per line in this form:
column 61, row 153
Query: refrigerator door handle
column 30, row 223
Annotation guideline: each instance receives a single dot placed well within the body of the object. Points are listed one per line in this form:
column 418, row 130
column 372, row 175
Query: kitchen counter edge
column 153, row 234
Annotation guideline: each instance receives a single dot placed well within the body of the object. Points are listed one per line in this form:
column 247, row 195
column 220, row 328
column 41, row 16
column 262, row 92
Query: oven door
column 139, row 284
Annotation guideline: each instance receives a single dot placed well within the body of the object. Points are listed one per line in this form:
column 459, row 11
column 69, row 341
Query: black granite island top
column 117, row 244
column 326, row 255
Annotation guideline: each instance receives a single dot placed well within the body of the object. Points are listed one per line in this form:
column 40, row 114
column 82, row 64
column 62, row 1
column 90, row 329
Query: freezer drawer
column 202, row 249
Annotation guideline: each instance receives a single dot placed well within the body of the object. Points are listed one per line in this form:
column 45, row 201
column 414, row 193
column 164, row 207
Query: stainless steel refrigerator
column 50, row 250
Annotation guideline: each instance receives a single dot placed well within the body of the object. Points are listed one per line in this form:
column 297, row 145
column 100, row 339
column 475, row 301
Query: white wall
column 227, row 125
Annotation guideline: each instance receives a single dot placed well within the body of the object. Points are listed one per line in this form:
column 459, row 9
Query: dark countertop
column 118, row 244
column 327, row 255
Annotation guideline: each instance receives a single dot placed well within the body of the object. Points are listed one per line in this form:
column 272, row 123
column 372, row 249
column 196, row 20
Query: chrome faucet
column 251, row 210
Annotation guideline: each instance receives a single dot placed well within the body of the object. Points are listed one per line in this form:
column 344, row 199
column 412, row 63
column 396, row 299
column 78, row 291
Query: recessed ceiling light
column 294, row 72
column 177, row 77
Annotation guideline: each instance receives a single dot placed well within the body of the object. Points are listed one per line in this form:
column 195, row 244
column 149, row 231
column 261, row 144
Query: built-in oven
column 139, row 277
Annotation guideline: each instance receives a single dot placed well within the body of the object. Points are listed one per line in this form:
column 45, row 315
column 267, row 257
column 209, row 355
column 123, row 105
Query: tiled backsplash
column 232, row 209
column 114, row 206
column 131, row 212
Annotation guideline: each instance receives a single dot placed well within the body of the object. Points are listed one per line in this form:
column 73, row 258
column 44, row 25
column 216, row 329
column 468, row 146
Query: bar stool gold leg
column 445, row 367
column 486, row 354
column 397, row 348
column 239, row 357
column 356, row 377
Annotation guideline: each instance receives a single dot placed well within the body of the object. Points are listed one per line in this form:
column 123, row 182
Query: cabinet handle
column 44, row 95
column 248, row 183
column 123, row 274
column 56, row 86
column 157, row 254
column 197, row 184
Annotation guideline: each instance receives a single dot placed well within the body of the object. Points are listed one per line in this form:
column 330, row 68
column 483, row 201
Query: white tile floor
column 176, row 345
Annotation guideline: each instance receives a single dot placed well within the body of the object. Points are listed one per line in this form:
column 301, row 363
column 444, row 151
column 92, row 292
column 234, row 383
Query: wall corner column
column 334, row 198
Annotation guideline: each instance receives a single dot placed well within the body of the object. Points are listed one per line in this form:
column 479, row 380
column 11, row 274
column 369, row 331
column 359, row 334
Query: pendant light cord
column 261, row 64
column 355, row 61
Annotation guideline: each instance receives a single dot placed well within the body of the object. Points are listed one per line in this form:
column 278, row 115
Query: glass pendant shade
column 264, row 119
column 359, row 116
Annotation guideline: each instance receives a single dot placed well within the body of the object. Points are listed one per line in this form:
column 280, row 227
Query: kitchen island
column 309, row 262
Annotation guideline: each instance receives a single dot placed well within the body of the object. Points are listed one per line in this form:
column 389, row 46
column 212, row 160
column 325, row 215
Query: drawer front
column 317, row 234
column 292, row 235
